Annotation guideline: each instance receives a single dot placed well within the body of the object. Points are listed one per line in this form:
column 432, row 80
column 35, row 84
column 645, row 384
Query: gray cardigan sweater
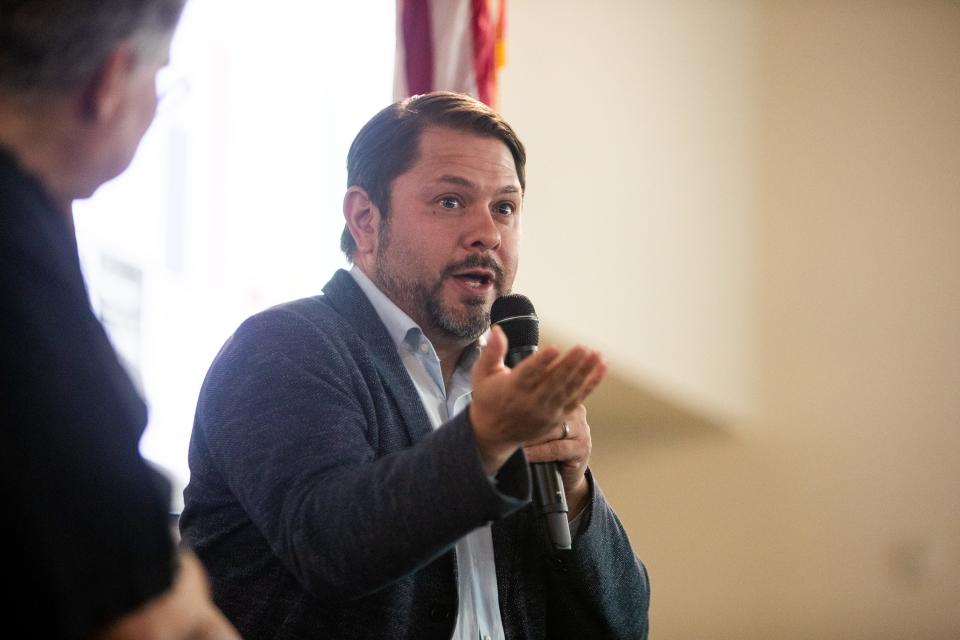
column 325, row 506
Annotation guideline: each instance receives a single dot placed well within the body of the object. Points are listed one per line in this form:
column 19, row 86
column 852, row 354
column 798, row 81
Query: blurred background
column 752, row 208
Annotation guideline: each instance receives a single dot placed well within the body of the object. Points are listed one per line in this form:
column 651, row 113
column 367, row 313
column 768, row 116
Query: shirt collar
column 398, row 323
column 400, row 326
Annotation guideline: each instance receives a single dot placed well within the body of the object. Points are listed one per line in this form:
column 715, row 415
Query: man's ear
column 106, row 91
column 363, row 220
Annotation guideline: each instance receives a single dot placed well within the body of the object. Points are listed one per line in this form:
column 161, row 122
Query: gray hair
column 56, row 45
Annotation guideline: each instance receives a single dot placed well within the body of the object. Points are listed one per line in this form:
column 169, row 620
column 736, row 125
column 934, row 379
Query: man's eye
column 505, row 208
column 449, row 203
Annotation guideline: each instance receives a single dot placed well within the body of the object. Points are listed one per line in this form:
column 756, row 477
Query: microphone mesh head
column 516, row 316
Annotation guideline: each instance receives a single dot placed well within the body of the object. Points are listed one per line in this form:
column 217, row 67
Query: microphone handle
column 548, row 493
column 552, row 502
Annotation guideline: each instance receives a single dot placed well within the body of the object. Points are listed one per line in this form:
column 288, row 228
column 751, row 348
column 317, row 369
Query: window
column 233, row 201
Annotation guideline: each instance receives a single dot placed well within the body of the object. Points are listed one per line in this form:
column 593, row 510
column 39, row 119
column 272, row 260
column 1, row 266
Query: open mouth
column 475, row 279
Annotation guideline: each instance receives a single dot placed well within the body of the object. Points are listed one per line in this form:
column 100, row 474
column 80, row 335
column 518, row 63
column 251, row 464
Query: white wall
column 772, row 190
column 639, row 118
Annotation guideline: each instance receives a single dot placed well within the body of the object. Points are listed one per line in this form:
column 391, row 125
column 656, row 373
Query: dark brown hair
column 388, row 145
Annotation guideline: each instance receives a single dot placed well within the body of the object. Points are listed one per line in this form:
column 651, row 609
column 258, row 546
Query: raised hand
column 523, row 404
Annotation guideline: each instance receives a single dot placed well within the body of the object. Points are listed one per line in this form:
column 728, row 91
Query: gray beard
column 468, row 325
column 427, row 301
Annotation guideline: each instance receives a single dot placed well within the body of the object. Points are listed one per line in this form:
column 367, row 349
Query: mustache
column 476, row 261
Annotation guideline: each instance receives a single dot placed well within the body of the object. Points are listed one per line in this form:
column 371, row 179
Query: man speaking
column 359, row 458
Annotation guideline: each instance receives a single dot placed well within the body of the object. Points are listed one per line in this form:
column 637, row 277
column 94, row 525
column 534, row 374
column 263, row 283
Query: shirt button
column 424, row 348
column 487, row 638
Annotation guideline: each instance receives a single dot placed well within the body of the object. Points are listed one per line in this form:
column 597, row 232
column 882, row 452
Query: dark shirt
column 84, row 517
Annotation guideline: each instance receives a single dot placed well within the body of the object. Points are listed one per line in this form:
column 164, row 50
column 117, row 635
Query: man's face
column 142, row 104
column 136, row 100
column 449, row 245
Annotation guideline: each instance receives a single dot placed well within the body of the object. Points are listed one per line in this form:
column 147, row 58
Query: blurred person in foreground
column 85, row 527
column 359, row 458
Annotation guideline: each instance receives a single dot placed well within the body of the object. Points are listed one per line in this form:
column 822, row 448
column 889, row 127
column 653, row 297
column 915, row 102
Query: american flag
column 452, row 45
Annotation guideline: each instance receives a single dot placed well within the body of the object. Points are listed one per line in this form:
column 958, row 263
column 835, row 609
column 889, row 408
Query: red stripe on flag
column 484, row 63
column 418, row 46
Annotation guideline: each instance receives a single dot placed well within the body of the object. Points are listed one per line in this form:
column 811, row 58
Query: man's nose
column 483, row 233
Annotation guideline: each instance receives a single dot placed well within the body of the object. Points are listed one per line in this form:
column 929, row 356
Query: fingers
column 524, row 404
column 491, row 357
column 580, row 371
column 561, row 382
column 572, row 455
column 592, row 381
column 546, row 371
column 571, row 379
column 557, row 432
column 551, row 451
column 576, row 429
column 533, row 371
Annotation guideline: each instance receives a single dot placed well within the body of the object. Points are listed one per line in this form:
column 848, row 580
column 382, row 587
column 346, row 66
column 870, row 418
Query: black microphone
column 516, row 316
